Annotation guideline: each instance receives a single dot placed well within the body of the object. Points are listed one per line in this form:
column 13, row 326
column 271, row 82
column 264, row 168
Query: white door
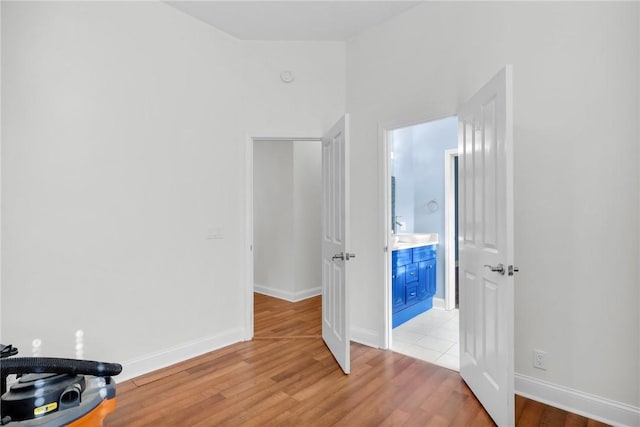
column 335, row 232
column 485, row 146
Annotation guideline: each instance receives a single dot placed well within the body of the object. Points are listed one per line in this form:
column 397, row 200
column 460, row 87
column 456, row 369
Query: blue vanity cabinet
column 413, row 282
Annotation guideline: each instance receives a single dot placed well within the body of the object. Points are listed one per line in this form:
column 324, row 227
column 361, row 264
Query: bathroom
column 424, row 241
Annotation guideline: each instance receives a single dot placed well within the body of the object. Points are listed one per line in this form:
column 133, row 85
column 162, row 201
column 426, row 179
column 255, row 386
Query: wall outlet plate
column 540, row 359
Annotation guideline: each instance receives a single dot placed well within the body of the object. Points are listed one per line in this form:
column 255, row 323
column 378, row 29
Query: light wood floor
column 287, row 377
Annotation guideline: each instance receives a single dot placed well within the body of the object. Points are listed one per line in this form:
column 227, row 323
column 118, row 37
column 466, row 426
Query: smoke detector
column 287, row 76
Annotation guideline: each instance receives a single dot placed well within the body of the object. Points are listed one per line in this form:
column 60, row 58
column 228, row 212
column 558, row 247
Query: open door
column 485, row 147
column 335, row 233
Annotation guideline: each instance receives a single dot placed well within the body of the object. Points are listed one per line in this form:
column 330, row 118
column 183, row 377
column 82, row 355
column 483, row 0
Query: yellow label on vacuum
column 45, row 408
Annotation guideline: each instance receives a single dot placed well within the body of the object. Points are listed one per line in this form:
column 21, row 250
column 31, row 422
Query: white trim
column 179, row 353
column 250, row 139
column 449, row 229
column 384, row 188
column 248, row 307
column 578, row 402
column 365, row 336
column 287, row 295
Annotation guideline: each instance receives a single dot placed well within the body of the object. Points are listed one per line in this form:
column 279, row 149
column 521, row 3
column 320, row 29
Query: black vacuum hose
column 54, row 365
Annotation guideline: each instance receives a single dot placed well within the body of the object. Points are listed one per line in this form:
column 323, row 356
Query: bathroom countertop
column 413, row 240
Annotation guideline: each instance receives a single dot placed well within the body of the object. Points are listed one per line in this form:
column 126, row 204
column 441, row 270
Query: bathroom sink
column 411, row 240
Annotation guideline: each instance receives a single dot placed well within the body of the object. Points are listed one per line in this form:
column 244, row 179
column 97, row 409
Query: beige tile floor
column 432, row 336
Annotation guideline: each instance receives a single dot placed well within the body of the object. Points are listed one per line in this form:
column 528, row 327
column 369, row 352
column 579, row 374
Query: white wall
column 124, row 135
column 1, row 200
column 309, row 105
column 637, row 37
column 120, row 149
column 307, row 195
column 576, row 161
column 430, row 141
column 273, row 212
column 286, row 213
column 637, row 341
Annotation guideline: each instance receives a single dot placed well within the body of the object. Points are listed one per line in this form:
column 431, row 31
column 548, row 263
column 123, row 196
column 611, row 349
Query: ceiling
column 293, row 20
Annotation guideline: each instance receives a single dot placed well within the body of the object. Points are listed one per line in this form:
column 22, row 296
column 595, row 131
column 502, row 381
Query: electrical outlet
column 540, row 359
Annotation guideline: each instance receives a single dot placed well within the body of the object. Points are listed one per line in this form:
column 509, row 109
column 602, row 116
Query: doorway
column 421, row 202
column 283, row 221
column 334, row 179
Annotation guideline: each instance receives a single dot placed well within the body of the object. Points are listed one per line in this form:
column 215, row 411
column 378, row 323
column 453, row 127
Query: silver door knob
column 344, row 256
column 497, row 269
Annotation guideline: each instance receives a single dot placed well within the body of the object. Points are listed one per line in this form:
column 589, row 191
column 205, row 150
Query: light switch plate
column 215, row 233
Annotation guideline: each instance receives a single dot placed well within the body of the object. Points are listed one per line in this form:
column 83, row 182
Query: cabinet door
column 427, row 280
column 423, row 272
column 430, row 276
column 397, row 286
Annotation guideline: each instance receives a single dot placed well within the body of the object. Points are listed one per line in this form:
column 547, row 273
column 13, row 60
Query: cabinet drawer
column 412, row 294
column 424, row 253
column 412, row 273
column 401, row 257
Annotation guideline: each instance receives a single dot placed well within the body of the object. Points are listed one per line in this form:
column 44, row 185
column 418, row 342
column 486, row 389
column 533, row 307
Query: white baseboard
column 365, row 336
column 288, row 296
column 578, row 402
column 438, row 303
column 179, row 353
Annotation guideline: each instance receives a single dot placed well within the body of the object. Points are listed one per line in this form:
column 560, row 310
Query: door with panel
column 335, row 237
column 485, row 145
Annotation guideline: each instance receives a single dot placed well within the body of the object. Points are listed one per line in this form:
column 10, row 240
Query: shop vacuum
column 52, row 392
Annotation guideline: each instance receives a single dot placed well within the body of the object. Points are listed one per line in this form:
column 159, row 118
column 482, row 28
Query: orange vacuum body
column 53, row 392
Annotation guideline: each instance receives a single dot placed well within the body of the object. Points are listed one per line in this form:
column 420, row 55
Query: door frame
column 450, row 229
column 384, row 207
column 250, row 140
